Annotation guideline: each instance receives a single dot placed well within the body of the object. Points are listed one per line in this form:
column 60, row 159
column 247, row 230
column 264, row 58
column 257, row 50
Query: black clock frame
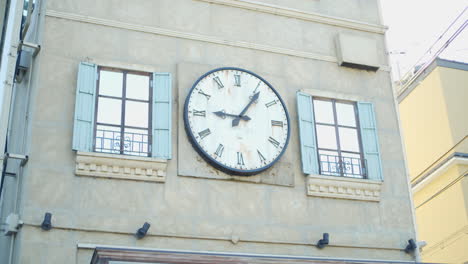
column 207, row 156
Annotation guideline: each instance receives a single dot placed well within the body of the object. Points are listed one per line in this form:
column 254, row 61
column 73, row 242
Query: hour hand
column 223, row 115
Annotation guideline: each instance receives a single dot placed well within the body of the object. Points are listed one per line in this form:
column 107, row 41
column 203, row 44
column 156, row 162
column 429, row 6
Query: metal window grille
column 341, row 166
column 133, row 144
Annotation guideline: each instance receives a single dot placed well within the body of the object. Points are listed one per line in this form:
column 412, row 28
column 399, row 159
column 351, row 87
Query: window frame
column 122, row 125
column 336, row 126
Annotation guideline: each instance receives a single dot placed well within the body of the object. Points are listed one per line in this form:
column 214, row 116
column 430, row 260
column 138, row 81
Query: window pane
column 323, row 111
column 345, row 114
column 137, row 87
column 349, row 139
column 109, row 111
column 107, row 139
column 136, row 142
column 326, row 137
column 136, row 114
column 110, row 83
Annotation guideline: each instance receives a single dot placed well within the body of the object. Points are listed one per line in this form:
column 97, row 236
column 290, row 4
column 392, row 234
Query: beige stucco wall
column 434, row 112
column 362, row 10
column 455, row 83
column 424, row 119
column 449, row 217
column 442, row 218
column 434, row 124
column 188, row 213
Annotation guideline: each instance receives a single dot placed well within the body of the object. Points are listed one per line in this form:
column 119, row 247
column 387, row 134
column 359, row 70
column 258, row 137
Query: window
column 338, row 137
column 122, row 112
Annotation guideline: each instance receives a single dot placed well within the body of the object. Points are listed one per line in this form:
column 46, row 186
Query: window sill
column 343, row 188
column 113, row 166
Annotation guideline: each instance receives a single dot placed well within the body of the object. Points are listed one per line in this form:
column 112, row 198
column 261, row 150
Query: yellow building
column 434, row 117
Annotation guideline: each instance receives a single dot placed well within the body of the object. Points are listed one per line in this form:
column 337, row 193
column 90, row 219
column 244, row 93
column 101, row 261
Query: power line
column 440, row 37
column 410, row 76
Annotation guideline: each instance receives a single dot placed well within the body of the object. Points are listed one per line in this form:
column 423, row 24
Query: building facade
column 124, row 142
column 436, row 137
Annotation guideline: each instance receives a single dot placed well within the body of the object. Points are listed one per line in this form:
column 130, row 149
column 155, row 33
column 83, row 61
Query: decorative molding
column 444, row 167
column 195, row 37
column 343, row 188
column 298, row 14
column 102, row 165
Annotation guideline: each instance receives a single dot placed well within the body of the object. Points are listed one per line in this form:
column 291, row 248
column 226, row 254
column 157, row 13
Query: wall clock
column 236, row 121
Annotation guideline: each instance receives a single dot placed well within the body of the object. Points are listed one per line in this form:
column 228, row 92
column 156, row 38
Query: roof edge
column 438, row 62
column 452, row 64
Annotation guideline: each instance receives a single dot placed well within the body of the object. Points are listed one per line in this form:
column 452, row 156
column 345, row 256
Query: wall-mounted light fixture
column 324, row 241
column 141, row 232
column 411, row 246
column 421, row 244
column 47, row 223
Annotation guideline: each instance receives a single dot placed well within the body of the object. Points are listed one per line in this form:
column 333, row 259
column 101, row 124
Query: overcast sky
column 414, row 25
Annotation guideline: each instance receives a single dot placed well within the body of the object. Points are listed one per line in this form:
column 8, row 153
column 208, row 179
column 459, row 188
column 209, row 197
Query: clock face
column 236, row 121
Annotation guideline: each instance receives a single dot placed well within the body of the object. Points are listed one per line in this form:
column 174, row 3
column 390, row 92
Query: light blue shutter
column 84, row 107
column 307, row 134
column 162, row 112
column 370, row 141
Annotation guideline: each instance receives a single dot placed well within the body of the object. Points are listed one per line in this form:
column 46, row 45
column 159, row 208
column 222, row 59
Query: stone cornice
column 343, row 188
column 101, row 165
column 438, row 171
column 298, row 14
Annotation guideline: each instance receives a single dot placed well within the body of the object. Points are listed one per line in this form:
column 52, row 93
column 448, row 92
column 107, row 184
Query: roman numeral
column 206, row 95
column 219, row 150
column 218, row 82
column 262, row 158
column 240, row 159
column 274, row 142
column 270, row 103
column 204, row 133
column 199, row 113
column 237, row 80
column 277, row 123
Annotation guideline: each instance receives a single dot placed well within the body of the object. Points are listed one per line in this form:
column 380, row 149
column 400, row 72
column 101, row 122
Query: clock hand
column 223, row 115
column 236, row 121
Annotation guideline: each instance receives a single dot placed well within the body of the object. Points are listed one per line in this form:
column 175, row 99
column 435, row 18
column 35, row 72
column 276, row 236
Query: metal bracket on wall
column 10, row 174
column 23, row 158
column 35, row 47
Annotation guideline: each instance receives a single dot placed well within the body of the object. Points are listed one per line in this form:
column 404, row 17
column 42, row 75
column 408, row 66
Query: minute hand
column 223, row 114
column 236, row 121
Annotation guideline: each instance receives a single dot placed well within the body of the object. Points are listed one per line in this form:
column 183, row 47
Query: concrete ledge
column 343, row 188
column 114, row 166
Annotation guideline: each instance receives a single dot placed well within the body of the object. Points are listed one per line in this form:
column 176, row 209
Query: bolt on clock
column 236, row 121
